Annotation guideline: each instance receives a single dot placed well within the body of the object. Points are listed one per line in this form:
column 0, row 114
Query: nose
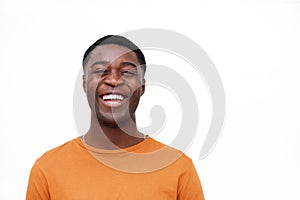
column 113, row 78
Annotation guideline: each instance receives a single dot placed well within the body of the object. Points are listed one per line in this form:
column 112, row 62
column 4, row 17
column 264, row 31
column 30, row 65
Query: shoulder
column 61, row 151
column 158, row 145
column 176, row 157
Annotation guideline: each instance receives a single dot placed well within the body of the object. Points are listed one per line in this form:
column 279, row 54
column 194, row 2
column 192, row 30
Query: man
column 113, row 160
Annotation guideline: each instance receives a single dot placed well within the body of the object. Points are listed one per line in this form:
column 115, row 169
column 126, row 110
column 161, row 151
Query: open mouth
column 112, row 99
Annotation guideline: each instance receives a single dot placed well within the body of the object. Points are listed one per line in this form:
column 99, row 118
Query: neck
column 112, row 137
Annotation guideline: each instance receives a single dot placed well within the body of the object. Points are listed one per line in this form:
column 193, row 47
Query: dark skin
column 113, row 70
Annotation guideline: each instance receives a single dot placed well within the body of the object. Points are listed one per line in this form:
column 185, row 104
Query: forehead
column 112, row 52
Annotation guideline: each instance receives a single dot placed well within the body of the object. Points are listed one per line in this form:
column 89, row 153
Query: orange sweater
column 148, row 170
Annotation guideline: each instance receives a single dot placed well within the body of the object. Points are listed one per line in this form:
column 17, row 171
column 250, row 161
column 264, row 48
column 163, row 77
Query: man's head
column 113, row 79
column 118, row 40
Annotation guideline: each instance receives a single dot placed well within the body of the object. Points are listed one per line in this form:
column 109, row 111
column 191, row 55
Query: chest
column 114, row 185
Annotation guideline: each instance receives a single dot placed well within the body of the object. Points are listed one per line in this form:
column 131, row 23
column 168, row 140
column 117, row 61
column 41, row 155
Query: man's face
column 113, row 81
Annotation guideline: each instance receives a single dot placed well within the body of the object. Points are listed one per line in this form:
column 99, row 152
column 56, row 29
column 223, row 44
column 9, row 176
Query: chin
column 114, row 121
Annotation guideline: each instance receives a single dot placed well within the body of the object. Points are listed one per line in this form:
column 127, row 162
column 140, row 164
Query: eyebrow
column 106, row 63
column 103, row 62
column 128, row 63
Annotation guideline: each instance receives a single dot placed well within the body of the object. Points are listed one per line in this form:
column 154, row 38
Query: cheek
column 135, row 97
column 92, row 83
column 91, row 89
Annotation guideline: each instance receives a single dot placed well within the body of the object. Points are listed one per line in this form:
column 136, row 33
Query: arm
column 37, row 185
column 189, row 186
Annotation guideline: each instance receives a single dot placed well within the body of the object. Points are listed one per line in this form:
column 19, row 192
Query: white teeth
column 113, row 97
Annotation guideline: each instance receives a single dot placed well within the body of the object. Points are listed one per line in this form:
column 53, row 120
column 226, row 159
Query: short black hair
column 118, row 40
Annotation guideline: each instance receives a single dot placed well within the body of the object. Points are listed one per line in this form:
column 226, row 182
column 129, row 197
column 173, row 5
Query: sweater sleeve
column 189, row 186
column 37, row 185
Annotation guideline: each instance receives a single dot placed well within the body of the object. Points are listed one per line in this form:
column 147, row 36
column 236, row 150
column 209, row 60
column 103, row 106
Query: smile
column 112, row 100
column 113, row 97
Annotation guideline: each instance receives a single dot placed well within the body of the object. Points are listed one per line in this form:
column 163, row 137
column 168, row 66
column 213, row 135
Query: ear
column 84, row 82
column 143, row 86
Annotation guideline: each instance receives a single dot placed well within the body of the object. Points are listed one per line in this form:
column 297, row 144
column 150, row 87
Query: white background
column 255, row 46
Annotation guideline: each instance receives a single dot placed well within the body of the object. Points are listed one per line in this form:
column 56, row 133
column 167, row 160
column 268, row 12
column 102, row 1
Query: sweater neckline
column 132, row 148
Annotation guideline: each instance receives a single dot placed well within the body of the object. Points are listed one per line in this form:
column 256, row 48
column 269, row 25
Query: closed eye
column 128, row 73
column 100, row 71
